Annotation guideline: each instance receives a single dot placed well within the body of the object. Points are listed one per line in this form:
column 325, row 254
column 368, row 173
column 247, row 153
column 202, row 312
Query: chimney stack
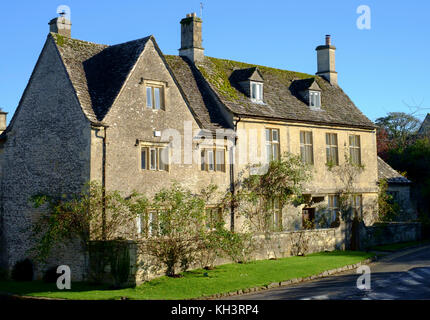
column 326, row 61
column 2, row 121
column 191, row 38
column 61, row 25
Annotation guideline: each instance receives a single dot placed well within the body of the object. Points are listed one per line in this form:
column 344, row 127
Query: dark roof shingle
column 387, row 173
column 280, row 102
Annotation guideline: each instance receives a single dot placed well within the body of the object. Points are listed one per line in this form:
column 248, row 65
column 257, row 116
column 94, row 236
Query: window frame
column 333, row 205
column 332, row 149
column 272, row 144
column 304, row 147
column 213, row 216
column 217, row 166
column 277, row 224
column 353, row 148
column 256, row 95
column 355, row 207
column 146, row 224
column 146, row 151
column 315, row 96
column 152, row 86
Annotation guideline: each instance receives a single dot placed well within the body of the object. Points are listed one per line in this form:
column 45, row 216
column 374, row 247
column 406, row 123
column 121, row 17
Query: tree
column 400, row 127
column 175, row 234
column 94, row 216
column 282, row 182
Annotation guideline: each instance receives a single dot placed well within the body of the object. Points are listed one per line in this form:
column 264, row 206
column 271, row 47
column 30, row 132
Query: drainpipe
column 103, row 178
column 232, row 182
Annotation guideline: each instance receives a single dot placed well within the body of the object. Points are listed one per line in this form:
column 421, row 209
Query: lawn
column 198, row 283
column 399, row 246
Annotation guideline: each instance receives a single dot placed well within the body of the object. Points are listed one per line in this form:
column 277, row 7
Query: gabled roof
column 387, row 173
column 246, row 74
column 304, row 84
column 280, row 102
column 97, row 71
column 197, row 93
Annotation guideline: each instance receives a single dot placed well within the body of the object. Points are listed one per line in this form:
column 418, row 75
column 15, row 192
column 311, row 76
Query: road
column 402, row 275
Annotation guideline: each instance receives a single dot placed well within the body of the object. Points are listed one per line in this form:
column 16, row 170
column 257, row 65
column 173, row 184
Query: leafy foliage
column 399, row 127
column 388, row 209
column 93, row 214
column 283, row 181
column 23, row 270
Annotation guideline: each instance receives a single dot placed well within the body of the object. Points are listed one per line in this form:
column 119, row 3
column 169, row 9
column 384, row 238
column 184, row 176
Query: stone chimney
column 61, row 25
column 2, row 121
column 191, row 38
column 326, row 61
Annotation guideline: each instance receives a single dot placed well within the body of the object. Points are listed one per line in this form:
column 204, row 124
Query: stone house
column 399, row 188
column 135, row 119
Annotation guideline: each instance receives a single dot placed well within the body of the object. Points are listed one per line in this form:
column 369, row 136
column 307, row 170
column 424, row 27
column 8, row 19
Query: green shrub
column 50, row 275
column 4, row 274
column 23, row 271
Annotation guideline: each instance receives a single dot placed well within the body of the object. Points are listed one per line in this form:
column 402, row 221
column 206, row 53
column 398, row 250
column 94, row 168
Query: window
column 155, row 158
column 308, row 218
column 148, row 223
column 354, row 149
column 277, row 215
column 154, row 97
column 315, row 99
column 357, row 206
column 331, row 148
column 272, row 145
column 257, row 91
column 333, row 206
column 214, row 216
column 306, row 147
column 213, row 160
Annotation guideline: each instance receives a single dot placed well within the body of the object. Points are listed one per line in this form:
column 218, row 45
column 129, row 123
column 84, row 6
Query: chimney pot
column 61, row 25
column 191, row 38
column 326, row 61
column 3, row 116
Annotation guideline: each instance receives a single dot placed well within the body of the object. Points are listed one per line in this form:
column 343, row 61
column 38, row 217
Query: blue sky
column 382, row 69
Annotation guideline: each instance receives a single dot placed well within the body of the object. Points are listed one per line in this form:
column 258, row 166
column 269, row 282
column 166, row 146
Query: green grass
column 198, row 283
column 399, row 246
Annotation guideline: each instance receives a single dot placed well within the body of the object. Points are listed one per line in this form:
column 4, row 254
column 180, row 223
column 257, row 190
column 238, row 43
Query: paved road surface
column 402, row 275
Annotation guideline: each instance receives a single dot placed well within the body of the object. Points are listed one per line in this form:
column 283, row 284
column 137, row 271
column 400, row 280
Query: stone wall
column 274, row 246
column 47, row 151
column 388, row 233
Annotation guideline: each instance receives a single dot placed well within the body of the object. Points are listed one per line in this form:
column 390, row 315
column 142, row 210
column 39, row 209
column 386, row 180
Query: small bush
column 23, row 270
column 51, row 275
column 4, row 274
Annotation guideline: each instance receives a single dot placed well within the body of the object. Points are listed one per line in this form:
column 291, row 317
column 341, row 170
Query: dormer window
column 250, row 82
column 315, row 99
column 257, row 91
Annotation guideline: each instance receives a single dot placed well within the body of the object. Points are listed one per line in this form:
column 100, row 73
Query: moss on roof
column 217, row 72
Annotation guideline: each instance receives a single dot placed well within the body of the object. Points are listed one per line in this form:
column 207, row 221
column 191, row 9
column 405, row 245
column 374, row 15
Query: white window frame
column 315, row 99
column 256, row 96
column 272, row 144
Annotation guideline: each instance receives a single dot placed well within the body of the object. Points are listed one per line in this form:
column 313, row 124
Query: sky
column 383, row 68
